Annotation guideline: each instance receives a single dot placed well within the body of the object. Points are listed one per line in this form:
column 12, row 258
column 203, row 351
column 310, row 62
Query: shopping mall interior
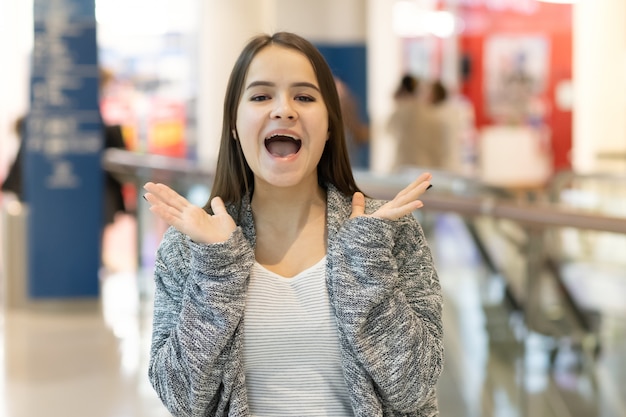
column 526, row 219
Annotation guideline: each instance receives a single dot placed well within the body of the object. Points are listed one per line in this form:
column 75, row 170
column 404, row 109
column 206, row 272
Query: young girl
column 290, row 293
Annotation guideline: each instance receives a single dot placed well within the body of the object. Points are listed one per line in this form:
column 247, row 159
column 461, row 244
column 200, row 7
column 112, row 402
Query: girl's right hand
column 200, row 226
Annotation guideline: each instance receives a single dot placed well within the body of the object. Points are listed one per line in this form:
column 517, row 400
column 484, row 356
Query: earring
column 234, row 132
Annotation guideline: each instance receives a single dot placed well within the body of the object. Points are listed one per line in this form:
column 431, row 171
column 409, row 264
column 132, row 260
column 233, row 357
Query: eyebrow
column 270, row 84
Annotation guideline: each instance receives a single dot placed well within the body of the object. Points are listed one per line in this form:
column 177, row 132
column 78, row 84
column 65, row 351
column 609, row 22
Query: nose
column 284, row 109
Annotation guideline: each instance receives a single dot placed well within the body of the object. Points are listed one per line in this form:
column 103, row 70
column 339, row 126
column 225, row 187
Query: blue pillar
column 349, row 63
column 63, row 179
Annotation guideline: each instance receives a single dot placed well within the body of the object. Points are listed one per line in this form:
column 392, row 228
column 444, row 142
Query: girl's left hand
column 405, row 202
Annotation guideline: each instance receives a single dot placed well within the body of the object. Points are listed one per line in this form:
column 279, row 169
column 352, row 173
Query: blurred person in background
column 403, row 124
column 13, row 181
column 113, row 139
column 450, row 124
column 112, row 135
column 357, row 132
column 437, row 128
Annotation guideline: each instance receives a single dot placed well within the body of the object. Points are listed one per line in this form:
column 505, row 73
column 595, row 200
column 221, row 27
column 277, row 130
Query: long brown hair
column 233, row 176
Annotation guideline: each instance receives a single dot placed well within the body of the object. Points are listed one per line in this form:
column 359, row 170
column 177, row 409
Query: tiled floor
column 91, row 361
column 87, row 358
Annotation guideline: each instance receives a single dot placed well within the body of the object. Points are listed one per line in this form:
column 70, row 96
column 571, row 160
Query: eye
column 260, row 97
column 306, row 99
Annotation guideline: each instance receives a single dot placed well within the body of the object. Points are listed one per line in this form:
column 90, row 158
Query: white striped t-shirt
column 291, row 349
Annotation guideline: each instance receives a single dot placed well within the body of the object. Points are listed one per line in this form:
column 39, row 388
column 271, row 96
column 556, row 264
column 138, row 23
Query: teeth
column 282, row 135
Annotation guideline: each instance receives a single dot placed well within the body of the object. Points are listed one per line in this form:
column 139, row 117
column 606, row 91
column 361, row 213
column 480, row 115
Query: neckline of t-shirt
column 295, row 277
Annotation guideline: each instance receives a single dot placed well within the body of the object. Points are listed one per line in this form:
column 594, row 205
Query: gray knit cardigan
column 383, row 289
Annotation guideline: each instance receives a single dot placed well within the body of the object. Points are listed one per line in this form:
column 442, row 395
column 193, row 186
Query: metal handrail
column 564, row 177
column 568, row 175
column 131, row 166
column 532, row 214
column 541, row 215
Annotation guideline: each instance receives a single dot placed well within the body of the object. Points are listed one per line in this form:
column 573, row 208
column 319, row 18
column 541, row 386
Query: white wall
column 384, row 62
column 599, row 72
column 16, row 39
column 224, row 28
column 329, row 21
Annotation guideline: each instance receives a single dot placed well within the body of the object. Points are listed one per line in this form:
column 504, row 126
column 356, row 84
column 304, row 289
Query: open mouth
column 282, row 145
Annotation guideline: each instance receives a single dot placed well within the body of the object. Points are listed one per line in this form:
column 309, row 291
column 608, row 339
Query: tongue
column 282, row 148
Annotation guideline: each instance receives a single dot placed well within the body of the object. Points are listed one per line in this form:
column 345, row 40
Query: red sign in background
column 551, row 21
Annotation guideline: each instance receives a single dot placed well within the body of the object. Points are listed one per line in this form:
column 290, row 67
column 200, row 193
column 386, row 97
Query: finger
column 150, row 198
column 413, row 190
column 418, row 189
column 394, row 213
column 166, row 214
column 218, row 206
column 358, row 205
column 155, row 201
column 169, row 196
column 150, row 187
column 161, row 207
column 408, row 192
column 423, row 178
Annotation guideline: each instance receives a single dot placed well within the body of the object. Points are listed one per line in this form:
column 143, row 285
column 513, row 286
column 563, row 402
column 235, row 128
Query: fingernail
column 144, row 197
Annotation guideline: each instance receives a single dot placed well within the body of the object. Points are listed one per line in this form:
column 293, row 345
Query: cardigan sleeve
column 198, row 304
column 389, row 307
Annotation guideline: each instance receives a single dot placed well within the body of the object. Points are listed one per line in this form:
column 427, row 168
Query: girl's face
column 282, row 120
